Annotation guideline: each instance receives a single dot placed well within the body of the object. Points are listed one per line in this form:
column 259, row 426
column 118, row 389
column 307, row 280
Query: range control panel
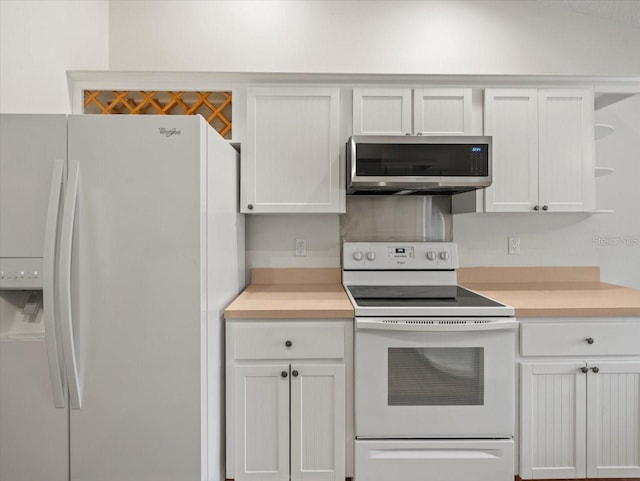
column 20, row 273
column 399, row 256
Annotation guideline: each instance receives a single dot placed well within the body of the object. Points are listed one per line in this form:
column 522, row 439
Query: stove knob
column 431, row 256
column 371, row 255
column 444, row 255
column 357, row 255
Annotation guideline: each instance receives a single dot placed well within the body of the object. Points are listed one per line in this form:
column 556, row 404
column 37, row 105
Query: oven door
column 418, row 380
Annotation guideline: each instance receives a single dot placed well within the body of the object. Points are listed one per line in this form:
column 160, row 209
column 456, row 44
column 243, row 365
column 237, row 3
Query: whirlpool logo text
column 169, row 132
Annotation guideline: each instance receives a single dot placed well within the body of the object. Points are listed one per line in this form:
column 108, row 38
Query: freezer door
column 138, row 302
column 34, row 442
column 29, row 144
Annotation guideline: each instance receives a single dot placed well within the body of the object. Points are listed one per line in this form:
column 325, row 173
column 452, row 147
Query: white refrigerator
column 120, row 246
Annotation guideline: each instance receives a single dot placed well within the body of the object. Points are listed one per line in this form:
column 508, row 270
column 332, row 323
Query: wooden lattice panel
column 215, row 107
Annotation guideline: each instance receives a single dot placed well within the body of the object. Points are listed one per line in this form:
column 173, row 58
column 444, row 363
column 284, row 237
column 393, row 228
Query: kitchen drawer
column 307, row 341
column 570, row 339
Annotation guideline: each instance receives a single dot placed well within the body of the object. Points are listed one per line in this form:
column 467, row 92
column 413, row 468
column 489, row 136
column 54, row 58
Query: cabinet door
column 261, row 422
column 567, row 170
column 613, row 420
column 511, row 117
column 292, row 161
column 552, row 420
column 442, row 111
column 318, row 422
column 381, row 111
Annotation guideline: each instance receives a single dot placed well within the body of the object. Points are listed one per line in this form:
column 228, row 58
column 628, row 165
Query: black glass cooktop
column 418, row 296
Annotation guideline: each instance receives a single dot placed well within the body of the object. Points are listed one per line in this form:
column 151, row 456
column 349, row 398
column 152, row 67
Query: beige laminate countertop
column 532, row 291
column 292, row 294
column 553, row 292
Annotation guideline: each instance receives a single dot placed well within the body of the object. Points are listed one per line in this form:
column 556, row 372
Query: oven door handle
column 435, row 324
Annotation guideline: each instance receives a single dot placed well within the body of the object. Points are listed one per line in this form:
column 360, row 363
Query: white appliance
column 120, row 246
column 434, row 368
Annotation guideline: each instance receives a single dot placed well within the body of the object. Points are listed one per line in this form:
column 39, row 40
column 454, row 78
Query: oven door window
column 435, row 376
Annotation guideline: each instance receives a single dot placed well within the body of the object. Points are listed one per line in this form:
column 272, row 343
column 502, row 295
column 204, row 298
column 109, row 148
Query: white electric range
column 434, row 367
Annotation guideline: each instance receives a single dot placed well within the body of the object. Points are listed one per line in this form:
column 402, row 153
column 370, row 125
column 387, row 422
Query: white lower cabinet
column 287, row 412
column 261, row 422
column 580, row 419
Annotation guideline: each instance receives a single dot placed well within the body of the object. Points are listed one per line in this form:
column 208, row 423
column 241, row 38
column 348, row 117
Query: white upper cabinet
column 292, row 158
column 566, row 150
column 442, row 111
column 406, row 111
column 511, row 118
column 542, row 150
column 382, row 111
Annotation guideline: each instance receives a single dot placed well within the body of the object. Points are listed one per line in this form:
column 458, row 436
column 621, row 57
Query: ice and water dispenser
column 21, row 307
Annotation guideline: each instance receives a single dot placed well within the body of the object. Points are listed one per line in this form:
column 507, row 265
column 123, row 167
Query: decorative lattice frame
column 215, row 107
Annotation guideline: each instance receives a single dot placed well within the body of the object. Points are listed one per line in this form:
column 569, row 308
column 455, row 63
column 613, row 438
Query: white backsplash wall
column 611, row 241
column 397, row 218
column 270, row 240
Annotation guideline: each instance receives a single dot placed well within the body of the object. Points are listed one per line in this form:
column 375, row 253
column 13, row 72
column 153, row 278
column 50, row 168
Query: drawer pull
column 584, row 369
column 294, row 373
column 288, row 343
column 589, row 340
column 595, row 369
column 284, row 373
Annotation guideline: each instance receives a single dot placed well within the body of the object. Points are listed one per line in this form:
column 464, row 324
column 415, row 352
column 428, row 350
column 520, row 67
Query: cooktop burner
column 418, row 296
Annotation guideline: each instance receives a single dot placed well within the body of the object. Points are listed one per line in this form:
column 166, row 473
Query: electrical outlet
column 301, row 248
column 514, row 245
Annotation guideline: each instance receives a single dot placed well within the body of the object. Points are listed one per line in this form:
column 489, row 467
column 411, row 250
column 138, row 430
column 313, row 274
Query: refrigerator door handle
column 51, row 329
column 66, row 245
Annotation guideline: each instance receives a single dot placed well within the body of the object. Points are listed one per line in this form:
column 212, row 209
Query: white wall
column 39, row 42
column 465, row 36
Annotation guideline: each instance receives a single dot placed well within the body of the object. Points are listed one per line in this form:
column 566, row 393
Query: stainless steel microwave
column 379, row 165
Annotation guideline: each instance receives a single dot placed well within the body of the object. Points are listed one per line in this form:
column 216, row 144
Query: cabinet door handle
column 595, row 369
column 545, row 207
column 590, row 340
column 536, row 207
column 250, row 207
column 584, row 369
column 284, row 373
column 294, row 373
column 288, row 343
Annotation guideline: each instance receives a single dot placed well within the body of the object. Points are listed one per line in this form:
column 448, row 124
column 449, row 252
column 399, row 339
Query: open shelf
column 603, row 130
column 608, row 98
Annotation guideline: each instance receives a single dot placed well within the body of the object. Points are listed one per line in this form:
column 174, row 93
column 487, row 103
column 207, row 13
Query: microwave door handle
column 51, row 318
column 66, row 247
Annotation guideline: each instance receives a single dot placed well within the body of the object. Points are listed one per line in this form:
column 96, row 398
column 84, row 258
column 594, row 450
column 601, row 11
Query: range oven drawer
column 437, row 460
